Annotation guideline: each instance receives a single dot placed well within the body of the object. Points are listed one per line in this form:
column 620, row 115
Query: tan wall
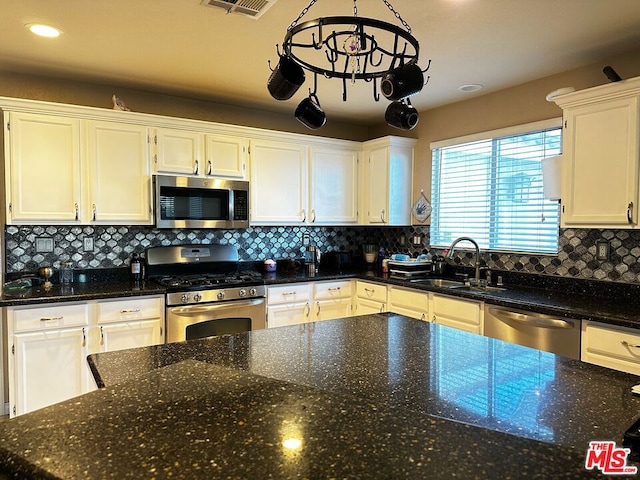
column 94, row 95
column 513, row 106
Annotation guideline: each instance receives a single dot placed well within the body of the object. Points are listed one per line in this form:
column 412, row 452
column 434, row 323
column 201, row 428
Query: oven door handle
column 188, row 310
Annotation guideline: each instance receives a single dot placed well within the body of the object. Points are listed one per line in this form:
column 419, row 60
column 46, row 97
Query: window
column 489, row 187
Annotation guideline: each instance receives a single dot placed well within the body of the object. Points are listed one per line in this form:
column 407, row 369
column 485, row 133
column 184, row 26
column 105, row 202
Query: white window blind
column 491, row 190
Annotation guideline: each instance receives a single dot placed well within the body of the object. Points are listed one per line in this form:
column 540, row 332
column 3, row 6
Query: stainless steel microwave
column 193, row 202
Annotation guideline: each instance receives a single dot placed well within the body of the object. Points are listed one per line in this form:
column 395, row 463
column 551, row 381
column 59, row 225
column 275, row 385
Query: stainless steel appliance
column 206, row 294
column 544, row 332
column 193, row 202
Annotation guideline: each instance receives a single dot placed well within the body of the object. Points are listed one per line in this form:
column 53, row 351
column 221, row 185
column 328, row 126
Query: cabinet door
column 453, row 312
column 120, row 186
column 378, row 186
column 611, row 346
column 288, row 314
column 365, row 306
column 329, row 309
column 600, row 180
column 333, row 193
column 226, row 156
column 42, row 168
column 49, row 367
column 119, row 336
column 178, row 151
column 278, row 183
column 411, row 303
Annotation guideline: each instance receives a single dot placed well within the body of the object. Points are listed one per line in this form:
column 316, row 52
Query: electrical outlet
column 44, row 245
column 602, row 250
column 87, row 244
column 305, row 239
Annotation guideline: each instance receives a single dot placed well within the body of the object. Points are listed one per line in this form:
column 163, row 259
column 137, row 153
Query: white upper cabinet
column 278, row 183
column 119, row 178
column 333, row 179
column 226, row 156
column 601, row 154
column 187, row 152
column 178, row 151
column 387, row 181
column 42, row 168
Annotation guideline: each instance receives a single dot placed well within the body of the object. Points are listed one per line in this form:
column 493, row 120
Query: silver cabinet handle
column 308, row 308
column 48, row 319
column 76, row 208
column 382, row 216
column 318, row 306
column 101, row 335
column 630, row 212
column 132, row 310
column 313, row 215
column 382, row 308
column 94, row 212
column 84, row 338
column 209, row 167
column 333, row 289
column 423, row 316
column 304, row 215
column 624, row 343
column 286, row 294
column 197, row 167
column 369, row 291
column 533, row 319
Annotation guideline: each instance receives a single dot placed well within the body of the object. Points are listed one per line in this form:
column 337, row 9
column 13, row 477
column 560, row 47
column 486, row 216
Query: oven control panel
column 215, row 295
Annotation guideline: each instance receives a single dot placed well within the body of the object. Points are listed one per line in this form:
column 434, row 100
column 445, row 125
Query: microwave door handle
column 200, row 309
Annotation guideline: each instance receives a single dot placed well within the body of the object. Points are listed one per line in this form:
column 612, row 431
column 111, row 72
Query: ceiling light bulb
column 43, row 30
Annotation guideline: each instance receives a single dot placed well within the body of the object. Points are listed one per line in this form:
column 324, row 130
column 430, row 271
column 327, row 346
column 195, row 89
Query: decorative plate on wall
column 422, row 208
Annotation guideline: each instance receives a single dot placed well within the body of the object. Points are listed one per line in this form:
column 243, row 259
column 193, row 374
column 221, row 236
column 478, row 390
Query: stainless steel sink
column 477, row 289
column 440, row 282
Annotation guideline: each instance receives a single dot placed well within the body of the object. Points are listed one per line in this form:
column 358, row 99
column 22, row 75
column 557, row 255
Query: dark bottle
column 136, row 268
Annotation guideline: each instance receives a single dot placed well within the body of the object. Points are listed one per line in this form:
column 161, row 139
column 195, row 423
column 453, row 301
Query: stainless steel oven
column 206, row 293
column 187, row 322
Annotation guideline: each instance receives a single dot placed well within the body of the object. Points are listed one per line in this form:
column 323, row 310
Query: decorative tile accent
column 113, row 246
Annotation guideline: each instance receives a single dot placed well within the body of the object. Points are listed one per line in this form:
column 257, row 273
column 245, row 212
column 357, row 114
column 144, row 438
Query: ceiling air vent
column 249, row 8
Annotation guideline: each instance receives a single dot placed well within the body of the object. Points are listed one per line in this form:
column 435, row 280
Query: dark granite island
column 377, row 396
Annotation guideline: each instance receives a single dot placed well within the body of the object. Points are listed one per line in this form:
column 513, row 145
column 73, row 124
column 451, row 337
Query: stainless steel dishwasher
column 544, row 332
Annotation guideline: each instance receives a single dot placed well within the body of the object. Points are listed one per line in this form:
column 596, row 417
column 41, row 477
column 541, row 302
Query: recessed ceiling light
column 471, row 87
column 43, row 30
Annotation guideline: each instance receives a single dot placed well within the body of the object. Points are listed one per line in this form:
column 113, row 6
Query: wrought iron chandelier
column 350, row 48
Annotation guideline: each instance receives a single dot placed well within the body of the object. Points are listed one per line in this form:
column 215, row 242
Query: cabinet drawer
column 48, row 317
column 292, row 293
column 329, row 290
column 612, row 347
column 372, row 291
column 413, row 299
column 464, row 311
column 132, row 309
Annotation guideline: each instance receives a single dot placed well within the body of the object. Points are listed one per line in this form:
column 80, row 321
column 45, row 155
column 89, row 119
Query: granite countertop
column 375, row 396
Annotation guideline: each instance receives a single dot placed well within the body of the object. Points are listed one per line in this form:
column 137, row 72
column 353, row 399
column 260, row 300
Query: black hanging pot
column 285, row 79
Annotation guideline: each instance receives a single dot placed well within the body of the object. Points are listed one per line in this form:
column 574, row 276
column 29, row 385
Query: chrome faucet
column 458, row 240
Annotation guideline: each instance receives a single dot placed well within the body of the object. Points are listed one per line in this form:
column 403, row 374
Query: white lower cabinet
column 409, row 302
column 288, row 304
column 331, row 300
column 464, row 314
column 370, row 298
column 135, row 322
column 48, row 345
column 611, row 346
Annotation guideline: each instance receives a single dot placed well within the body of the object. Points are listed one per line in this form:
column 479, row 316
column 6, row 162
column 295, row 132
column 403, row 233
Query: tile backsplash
column 113, row 246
